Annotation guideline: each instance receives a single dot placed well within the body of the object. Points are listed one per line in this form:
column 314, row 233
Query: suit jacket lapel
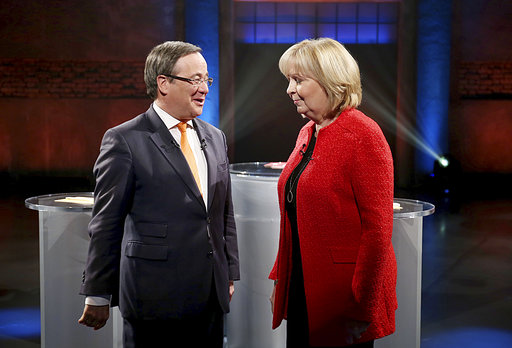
column 165, row 142
column 211, row 159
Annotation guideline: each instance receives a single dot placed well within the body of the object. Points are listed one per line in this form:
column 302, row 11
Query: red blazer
column 345, row 222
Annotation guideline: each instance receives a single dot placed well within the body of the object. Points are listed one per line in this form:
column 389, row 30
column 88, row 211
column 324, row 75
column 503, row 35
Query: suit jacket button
column 210, row 253
column 208, row 220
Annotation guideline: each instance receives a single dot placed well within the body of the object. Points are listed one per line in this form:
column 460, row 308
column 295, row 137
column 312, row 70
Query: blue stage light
column 20, row 322
column 433, row 78
column 202, row 29
column 470, row 337
column 447, row 174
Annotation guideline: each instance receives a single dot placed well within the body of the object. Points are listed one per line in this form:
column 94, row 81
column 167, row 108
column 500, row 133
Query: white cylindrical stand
column 63, row 245
column 254, row 191
column 407, row 242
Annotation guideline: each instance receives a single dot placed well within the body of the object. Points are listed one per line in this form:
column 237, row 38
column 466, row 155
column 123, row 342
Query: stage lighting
column 443, row 161
column 447, row 173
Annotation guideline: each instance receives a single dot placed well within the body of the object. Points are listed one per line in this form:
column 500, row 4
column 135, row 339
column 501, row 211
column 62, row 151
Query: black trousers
column 204, row 330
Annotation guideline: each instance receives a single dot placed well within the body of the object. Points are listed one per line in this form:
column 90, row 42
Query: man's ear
column 163, row 84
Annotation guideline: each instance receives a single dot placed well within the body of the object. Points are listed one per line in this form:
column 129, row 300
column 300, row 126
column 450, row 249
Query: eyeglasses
column 194, row 82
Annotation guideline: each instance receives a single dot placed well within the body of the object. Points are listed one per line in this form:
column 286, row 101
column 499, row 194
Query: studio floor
column 466, row 284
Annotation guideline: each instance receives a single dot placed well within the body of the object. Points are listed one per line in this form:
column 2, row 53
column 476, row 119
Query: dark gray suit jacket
column 154, row 245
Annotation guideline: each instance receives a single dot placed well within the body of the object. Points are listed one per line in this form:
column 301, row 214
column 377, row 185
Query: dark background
column 71, row 69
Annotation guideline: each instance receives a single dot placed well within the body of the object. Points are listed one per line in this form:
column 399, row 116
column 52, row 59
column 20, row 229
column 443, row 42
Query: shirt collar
column 167, row 119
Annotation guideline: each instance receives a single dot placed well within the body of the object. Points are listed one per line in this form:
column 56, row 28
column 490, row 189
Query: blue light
column 265, row 12
column 350, row 23
column 245, row 32
column 433, row 76
column 20, row 322
column 285, row 12
column 326, row 30
column 265, row 32
column 285, row 33
column 367, row 13
column 367, row 33
column 347, row 12
column 347, row 33
column 305, row 31
column 387, row 33
column 470, row 337
column 205, row 34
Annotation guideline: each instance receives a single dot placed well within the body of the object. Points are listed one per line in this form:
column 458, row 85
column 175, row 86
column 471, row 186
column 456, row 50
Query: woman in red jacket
column 335, row 272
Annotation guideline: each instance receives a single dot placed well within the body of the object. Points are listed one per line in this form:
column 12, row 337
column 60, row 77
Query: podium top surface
column 83, row 202
column 411, row 208
column 71, row 202
column 268, row 170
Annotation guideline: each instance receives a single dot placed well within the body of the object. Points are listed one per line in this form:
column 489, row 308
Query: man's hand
column 95, row 316
column 231, row 289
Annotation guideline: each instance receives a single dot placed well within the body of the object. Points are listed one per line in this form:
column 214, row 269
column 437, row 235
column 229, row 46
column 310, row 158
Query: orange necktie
column 189, row 155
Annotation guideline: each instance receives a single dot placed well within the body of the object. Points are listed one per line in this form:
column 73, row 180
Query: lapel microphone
column 302, row 150
column 203, row 144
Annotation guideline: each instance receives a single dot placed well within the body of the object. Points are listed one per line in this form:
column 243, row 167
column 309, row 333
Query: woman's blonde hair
column 331, row 65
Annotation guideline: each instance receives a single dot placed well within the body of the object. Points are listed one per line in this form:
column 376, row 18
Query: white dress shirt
column 195, row 144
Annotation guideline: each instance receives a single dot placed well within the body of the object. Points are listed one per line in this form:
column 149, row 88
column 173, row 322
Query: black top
column 291, row 203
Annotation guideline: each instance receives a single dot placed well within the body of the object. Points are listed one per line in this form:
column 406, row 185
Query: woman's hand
column 272, row 297
column 354, row 330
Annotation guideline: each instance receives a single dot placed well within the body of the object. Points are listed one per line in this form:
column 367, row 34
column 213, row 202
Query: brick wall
column 57, row 79
column 485, row 80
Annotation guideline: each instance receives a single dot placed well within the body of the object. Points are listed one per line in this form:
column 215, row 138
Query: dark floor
column 467, row 273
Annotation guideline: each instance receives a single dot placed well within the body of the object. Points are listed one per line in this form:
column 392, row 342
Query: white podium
column 407, row 242
column 255, row 202
column 63, row 245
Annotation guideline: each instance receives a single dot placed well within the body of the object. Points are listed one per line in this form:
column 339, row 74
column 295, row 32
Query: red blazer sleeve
column 372, row 182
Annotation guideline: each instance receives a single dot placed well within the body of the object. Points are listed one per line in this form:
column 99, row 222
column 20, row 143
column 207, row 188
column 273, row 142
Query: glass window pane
column 326, row 30
column 288, row 22
column 265, row 33
column 306, row 12
column 367, row 33
column 347, row 33
column 367, row 13
column 305, row 31
column 387, row 33
column 285, row 33
column 245, row 11
column 285, row 12
column 388, row 13
column 244, row 32
column 347, row 13
column 326, row 13
column 265, row 12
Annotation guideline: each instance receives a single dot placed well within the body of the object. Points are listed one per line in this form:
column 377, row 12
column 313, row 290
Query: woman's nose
column 291, row 87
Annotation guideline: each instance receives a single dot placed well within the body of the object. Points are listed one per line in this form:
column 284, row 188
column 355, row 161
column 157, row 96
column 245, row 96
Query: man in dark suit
column 163, row 238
